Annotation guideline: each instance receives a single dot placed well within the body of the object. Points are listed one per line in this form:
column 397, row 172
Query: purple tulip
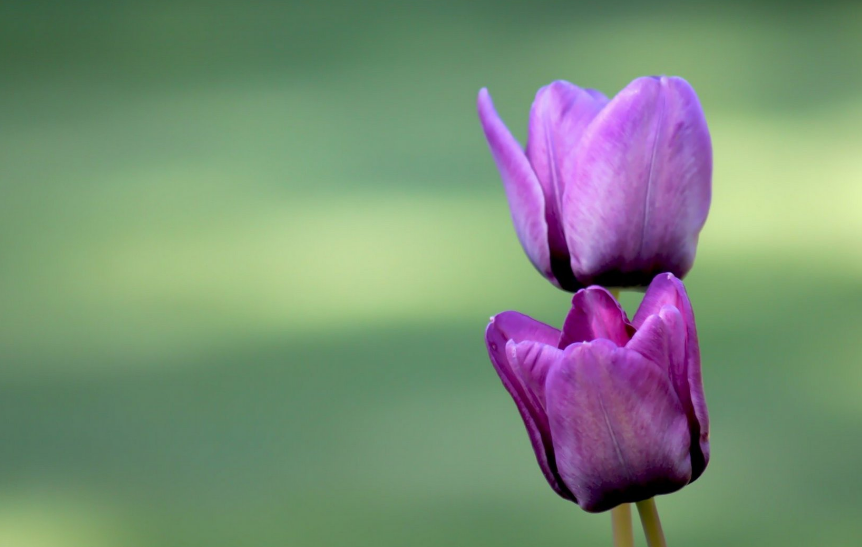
column 614, row 408
column 607, row 192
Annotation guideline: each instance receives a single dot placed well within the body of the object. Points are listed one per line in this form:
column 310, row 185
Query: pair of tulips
column 608, row 193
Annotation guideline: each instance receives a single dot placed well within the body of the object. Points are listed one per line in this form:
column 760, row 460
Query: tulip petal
column 515, row 327
column 595, row 314
column 661, row 339
column 558, row 117
column 619, row 432
column 531, row 362
column 519, row 327
column 640, row 186
column 665, row 290
column 523, row 191
column 668, row 291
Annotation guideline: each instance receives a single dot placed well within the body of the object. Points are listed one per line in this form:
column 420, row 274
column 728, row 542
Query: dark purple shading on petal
column 558, row 117
column 516, row 327
column 668, row 291
column 640, row 185
column 619, row 432
column 595, row 314
column 523, row 191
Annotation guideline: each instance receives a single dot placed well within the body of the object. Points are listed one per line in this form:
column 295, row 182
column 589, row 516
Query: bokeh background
column 248, row 251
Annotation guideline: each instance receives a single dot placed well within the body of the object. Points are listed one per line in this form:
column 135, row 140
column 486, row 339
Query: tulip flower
column 614, row 408
column 607, row 192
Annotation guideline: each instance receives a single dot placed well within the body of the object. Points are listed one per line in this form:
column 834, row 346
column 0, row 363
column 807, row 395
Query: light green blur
column 248, row 251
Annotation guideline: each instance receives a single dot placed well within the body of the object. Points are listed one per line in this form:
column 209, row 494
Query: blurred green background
column 248, row 251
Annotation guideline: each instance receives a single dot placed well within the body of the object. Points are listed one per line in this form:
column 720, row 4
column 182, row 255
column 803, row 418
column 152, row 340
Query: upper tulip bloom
column 607, row 192
column 614, row 408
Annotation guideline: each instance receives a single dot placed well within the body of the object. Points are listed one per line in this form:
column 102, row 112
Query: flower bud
column 614, row 408
column 612, row 192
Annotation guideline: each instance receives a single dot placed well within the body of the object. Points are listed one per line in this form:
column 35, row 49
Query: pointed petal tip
column 559, row 86
column 676, row 81
column 663, row 288
column 599, row 288
column 488, row 116
column 643, row 83
column 595, row 314
column 485, row 106
column 579, row 291
column 512, row 325
column 658, row 84
column 668, row 276
column 587, row 291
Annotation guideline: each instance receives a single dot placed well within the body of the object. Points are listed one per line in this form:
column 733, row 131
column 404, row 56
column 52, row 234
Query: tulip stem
column 621, row 522
column 651, row 523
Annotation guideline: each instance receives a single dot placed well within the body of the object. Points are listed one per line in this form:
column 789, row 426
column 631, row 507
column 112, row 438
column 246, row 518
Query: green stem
column 651, row 523
column 621, row 521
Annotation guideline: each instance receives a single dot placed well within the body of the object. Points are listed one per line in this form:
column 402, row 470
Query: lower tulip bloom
column 614, row 408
